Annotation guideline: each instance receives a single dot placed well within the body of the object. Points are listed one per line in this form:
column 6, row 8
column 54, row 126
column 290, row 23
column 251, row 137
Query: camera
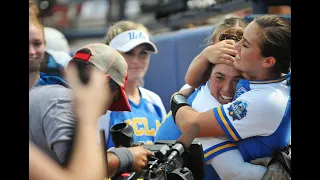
column 171, row 160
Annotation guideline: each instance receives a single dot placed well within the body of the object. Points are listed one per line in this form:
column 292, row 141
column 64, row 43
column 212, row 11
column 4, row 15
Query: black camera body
column 189, row 165
column 192, row 159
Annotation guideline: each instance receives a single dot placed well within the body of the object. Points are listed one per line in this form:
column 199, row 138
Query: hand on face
column 90, row 98
column 140, row 158
column 221, row 52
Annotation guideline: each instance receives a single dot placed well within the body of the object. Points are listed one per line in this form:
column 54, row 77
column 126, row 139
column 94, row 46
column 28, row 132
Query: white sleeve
column 255, row 113
column 230, row 165
column 163, row 110
column 154, row 99
column 215, row 146
column 186, row 86
column 159, row 103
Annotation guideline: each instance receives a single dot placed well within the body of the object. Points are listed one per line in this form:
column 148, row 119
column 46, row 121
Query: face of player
column 138, row 62
column 223, row 82
column 248, row 58
column 36, row 47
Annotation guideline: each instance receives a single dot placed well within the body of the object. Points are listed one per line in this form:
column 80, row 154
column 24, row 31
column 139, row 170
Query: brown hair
column 122, row 26
column 275, row 40
column 227, row 23
column 234, row 34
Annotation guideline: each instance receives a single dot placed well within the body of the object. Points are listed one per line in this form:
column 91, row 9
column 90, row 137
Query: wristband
column 125, row 158
column 178, row 100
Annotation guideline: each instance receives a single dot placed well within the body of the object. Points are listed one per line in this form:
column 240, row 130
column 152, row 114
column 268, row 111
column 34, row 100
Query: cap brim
column 134, row 43
column 122, row 104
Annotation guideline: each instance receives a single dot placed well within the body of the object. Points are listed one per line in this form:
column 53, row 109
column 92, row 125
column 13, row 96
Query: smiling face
column 36, row 46
column 249, row 59
column 223, row 82
column 138, row 62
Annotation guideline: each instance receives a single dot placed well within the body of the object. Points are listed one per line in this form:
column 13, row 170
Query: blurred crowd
column 66, row 14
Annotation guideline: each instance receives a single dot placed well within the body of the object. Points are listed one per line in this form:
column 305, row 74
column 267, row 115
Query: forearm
column 209, row 126
column 42, row 167
column 197, row 71
column 88, row 159
column 113, row 164
column 185, row 116
column 230, row 165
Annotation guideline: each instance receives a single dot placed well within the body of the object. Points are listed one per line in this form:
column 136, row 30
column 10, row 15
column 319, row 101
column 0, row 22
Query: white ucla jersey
column 259, row 118
column 212, row 146
column 201, row 100
column 145, row 118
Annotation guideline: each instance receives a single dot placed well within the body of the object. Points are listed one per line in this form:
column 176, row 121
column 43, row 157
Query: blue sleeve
column 168, row 130
column 109, row 142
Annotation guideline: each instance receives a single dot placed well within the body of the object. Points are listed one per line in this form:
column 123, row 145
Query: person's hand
column 140, row 158
column 221, row 52
column 261, row 161
column 90, row 98
column 275, row 171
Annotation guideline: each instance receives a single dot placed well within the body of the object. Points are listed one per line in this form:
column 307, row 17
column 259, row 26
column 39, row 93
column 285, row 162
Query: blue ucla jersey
column 144, row 118
column 212, row 146
column 259, row 118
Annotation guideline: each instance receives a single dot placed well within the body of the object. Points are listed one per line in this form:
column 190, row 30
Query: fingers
column 97, row 78
column 229, row 51
column 226, row 59
column 261, row 161
column 257, row 161
column 149, row 153
column 72, row 76
column 230, row 41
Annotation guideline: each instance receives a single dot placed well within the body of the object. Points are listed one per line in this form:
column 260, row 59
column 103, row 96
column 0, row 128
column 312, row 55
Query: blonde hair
column 35, row 21
column 122, row 26
column 33, row 9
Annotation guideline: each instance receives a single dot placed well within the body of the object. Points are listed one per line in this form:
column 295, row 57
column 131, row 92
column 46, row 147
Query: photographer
column 92, row 100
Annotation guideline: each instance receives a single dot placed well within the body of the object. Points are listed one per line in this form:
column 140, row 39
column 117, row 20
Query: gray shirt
column 51, row 120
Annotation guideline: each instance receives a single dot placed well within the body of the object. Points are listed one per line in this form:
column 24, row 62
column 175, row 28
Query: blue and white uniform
column 145, row 118
column 259, row 118
column 217, row 150
column 218, row 156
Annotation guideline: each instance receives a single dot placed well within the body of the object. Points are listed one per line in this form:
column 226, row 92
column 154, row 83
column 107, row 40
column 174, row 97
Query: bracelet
column 178, row 101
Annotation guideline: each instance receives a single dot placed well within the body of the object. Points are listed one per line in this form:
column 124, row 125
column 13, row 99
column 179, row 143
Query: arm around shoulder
column 198, row 71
